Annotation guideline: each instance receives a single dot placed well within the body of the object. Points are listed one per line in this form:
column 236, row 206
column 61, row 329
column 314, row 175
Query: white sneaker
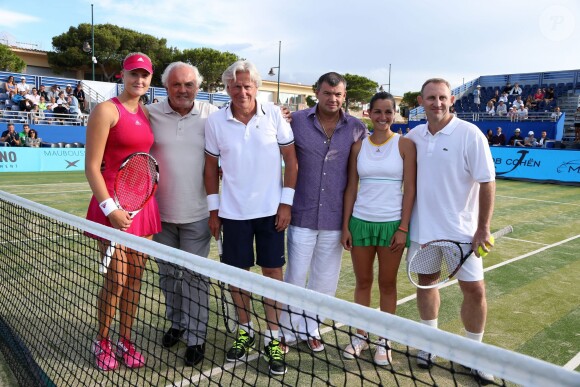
column 482, row 376
column 383, row 354
column 357, row 344
column 425, row 359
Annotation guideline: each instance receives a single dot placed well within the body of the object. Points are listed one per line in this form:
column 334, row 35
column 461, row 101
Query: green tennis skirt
column 373, row 233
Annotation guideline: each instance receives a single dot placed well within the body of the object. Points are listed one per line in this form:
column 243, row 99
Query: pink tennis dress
column 131, row 134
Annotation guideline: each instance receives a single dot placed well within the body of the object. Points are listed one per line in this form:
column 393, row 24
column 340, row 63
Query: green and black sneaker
column 242, row 346
column 274, row 354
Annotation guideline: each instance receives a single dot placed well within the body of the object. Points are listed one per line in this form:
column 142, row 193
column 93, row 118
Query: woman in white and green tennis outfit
column 377, row 214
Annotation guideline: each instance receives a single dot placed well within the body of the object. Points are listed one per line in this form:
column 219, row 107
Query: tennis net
column 49, row 282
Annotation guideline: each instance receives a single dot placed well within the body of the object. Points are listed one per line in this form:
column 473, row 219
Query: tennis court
column 531, row 274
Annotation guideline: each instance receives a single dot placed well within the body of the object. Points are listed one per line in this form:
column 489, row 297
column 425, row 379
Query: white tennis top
column 380, row 170
column 250, row 159
column 450, row 166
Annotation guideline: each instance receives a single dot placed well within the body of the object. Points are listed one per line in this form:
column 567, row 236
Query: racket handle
column 104, row 266
column 504, row 231
column 220, row 247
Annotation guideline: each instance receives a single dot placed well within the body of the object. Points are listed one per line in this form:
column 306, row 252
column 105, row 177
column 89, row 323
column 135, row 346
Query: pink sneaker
column 104, row 357
column 126, row 351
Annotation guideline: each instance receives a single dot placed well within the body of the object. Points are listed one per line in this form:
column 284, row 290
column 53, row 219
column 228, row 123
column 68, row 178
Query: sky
column 455, row 39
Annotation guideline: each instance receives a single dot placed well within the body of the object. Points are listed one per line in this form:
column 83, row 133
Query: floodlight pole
column 93, row 41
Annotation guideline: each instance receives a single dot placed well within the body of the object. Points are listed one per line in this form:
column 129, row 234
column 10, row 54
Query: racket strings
column 136, row 182
column 435, row 262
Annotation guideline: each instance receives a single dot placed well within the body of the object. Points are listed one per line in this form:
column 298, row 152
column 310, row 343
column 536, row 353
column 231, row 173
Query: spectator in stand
column 556, row 114
column 549, row 95
column 60, row 109
column 539, row 96
column 542, row 140
column 73, row 105
column 530, row 140
column 515, row 138
column 522, row 113
column 516, row 90
column 496, row 96
column 477, row 96
column 32, row 140
column 507, row 89
column 518, row 102
column 513, row 113
column 452, row 110
column 25, row 104
column 33, row 97
column 10, row 85
column 499, row 138
column 43, row 93
column 22, row 135
column 8, row 103
column 68, row 90
column 53, row 92
column 79, row 94
column 501, row 109
column 36, row 114
column 42, row 105
column 530, row 104
column 503, row 98
column 490, row 109
column 10, row 136
column 62, row 98
column 577, row 125
column 155, row 100
column 489, row 137
column 50, row 106
column 23, row 86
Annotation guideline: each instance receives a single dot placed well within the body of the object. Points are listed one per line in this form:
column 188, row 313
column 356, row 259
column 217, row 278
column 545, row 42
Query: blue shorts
column 238, row 243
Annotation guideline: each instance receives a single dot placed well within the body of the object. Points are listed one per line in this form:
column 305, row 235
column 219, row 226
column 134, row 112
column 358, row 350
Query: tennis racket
column 135, row 184
column 438, row 261
column 229, row 311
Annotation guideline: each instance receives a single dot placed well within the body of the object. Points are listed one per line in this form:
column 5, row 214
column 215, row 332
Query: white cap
column 530, row 133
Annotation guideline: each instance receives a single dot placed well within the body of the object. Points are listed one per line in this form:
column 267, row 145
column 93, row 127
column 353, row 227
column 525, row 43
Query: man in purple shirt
column 323, row 137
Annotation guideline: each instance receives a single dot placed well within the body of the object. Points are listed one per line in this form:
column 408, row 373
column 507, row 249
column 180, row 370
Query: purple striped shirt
column 322, row 169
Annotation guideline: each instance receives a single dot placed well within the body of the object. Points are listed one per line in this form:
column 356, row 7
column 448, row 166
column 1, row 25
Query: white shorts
column 472, row 269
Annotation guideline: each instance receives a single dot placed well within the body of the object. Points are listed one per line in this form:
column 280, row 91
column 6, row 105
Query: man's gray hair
column 241, row 66
column 174, row 65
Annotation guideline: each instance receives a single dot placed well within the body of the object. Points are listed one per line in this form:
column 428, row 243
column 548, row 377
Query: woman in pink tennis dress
column 117, row 128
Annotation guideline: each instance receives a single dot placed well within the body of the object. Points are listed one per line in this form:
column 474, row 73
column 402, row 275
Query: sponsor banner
column 13, row 159
column 550, row 165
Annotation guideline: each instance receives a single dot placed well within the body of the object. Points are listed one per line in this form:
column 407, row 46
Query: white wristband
column 213, row 202
column 287, row 196
column 108, row 206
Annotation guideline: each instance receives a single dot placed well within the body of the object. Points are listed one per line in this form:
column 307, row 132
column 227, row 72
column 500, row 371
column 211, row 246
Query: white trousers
column 314, row 259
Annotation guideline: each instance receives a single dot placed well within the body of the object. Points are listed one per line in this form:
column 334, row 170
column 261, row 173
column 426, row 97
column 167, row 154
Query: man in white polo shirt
column 455, row 199
column 249, row 139
column 178, row 124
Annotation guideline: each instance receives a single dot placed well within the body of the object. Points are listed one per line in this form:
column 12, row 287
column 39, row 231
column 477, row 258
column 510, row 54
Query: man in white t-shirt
column 178, row 124
column 455, row 199
column 250, row 139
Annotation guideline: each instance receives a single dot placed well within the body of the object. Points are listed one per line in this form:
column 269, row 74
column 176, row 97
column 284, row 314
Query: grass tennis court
column 532, row 286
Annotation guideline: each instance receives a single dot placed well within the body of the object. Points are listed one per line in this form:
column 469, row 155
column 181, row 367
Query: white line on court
column 538, row 200
column 525, row 241
column 51, row 193
column 34, row 185
column 228, row 366
column 573, row 363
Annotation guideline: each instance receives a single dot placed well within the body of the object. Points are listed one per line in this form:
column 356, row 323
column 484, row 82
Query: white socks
column 430, row 323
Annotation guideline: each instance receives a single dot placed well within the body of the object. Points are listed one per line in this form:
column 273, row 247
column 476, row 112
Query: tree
column 310, row 101
column 112, row 44
column 359, row 89
column 410, row 99
column 210, row 63
column 409, row 102
column 9, row 61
